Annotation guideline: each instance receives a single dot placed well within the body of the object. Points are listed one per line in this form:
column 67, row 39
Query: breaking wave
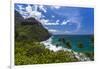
column 48, row 44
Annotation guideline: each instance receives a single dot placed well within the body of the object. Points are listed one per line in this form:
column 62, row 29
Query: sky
column 60, row 19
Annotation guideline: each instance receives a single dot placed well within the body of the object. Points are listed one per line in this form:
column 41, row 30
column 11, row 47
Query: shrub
column 80, row 45
column 68, row 44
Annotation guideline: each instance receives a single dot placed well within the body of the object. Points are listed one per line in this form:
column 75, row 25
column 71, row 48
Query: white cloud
column 29, row 12
column 46, row 27
column 67, row 32
column 52, row 30
column 37, row 14
column 44, row 20
column 57, row 21
column 43, row 16
column 57, row 7
column 21, row 7
column 52, row 16
column 20, row 10
column 29, row 9
column 51, row 23
column 77, row 21
column 65, row 22
column 42, row 8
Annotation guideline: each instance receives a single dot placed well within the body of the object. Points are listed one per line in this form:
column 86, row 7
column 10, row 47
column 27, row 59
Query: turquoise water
column 86, row 41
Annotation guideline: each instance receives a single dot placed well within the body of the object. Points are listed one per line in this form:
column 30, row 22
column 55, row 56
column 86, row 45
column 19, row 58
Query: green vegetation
column 68, row 44
column 62, row 40
column 90, row 55
column 80, row 45
column 29, row 29
column 28, row 49
column 36, row 53
column 92, row 41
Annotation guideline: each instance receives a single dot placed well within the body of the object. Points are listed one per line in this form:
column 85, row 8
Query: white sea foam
column 48, row 44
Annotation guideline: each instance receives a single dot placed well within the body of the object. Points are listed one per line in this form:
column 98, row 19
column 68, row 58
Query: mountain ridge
column 29, row 29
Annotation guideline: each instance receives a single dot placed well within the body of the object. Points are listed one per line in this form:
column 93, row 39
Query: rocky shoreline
column 50, row 46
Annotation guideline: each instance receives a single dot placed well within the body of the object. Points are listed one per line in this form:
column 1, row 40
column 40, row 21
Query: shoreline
column 50, row 46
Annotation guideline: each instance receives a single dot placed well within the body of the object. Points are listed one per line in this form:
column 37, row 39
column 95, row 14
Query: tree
column 68, row 44
column 80, row 45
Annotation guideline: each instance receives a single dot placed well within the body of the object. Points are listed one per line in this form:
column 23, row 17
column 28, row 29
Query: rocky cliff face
column 29, row 29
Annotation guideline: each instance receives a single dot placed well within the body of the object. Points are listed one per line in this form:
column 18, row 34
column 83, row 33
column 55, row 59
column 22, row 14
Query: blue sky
column 60, row 19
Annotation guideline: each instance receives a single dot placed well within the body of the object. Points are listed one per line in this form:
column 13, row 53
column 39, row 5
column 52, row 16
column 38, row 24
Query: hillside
column 29, row 29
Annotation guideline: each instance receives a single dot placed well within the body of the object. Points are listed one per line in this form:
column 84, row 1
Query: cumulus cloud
column 29, row 12
column 33, row 13
column 44, row 21
column 20, row 7
column 22, row 11
column 71, row 17
column 29, row 9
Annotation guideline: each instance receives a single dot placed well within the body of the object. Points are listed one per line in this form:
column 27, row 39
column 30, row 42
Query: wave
column 48, row 44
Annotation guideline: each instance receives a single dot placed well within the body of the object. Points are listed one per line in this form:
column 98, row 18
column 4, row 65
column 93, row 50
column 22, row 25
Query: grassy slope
column 36, row 53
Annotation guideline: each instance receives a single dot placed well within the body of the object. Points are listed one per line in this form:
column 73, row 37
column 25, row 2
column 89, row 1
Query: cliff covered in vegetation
column 29, row 29
column 28, row 49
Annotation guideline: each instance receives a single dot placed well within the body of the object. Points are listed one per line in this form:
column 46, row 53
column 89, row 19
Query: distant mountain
column 29, row 29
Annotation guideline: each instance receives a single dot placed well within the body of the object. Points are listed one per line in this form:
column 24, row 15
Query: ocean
column 78, row 43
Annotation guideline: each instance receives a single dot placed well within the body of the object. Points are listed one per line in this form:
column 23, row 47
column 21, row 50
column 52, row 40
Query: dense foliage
column 36, row 53
column 29, row 29
column 29, row 50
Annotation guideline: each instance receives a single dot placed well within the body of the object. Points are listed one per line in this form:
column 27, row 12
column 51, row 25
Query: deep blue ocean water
column 85, row 40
